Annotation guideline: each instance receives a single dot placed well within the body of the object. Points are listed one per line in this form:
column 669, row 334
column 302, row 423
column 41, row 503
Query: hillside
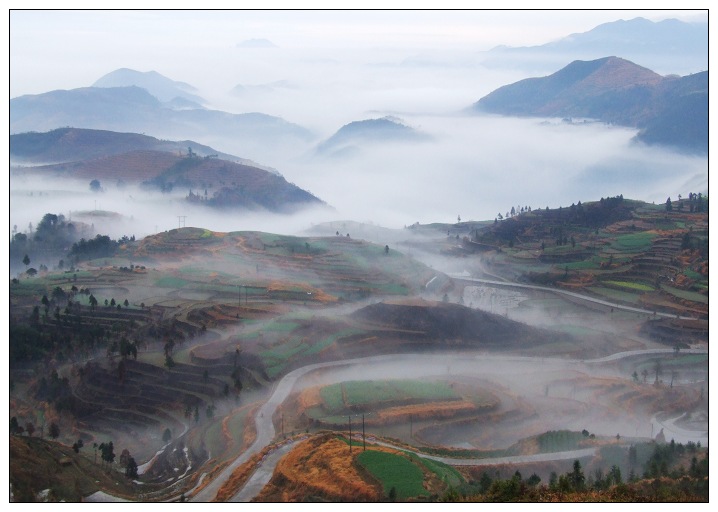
column 646, row 255
column 76, row 144
column 668, row 110
column 135, row 159
column 432, row 323
column 38, row 465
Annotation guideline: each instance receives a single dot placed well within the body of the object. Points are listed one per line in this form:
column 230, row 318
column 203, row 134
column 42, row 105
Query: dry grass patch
column 321, row 467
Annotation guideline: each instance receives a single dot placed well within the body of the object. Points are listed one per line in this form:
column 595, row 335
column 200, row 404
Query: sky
column 71, row 48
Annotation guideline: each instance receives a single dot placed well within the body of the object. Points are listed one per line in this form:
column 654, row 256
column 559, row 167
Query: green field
column 631, row 285
column 634, row 242
column 394, row 472
column 363, row 393
column 686, row 294
column 617, row 295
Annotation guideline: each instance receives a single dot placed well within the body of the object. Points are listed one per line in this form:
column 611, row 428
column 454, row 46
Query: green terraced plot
column 362, row 393
column 631, row 285
column 634, row 242
column 685, row 294
column 394, row 471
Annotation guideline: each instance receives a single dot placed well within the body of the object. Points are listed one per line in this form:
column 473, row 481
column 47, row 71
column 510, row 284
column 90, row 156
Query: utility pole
column 363, row 435
column 181, row 221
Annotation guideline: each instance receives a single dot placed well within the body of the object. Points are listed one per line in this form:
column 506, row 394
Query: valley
column 235, row 341
column 342, row 256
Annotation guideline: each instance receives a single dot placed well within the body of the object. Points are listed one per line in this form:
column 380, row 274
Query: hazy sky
column 73, row 48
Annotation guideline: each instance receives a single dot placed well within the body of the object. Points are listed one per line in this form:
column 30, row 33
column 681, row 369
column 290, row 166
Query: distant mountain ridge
column 133, row 109
column 668, row 110
column 670, row 46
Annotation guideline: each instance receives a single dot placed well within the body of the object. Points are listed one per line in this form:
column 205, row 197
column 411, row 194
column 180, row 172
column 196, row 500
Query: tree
column 29, row 428
column 26, row 260
column 54, row 430
column 167, row 435
column 658, row 369
column 14, row 425
column 124, row 457
column 533, row 480
column 669, row 205
column 577, row 477
column 93, row 302
column 95, row 186
column 386, row 249
column 615, row 475
column 392, row 494
column 107, row 451
column 131, row 468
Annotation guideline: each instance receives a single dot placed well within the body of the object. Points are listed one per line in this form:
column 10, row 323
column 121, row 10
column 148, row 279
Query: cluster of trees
column 664, row 478
column 665, row 461
column 101, row 246
column 57, row 240
column 515, row 210
column 696, row 203
column 50, row 240
column 17, row 430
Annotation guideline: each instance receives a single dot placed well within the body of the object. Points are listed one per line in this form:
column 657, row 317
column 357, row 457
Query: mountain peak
column 158, row 85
